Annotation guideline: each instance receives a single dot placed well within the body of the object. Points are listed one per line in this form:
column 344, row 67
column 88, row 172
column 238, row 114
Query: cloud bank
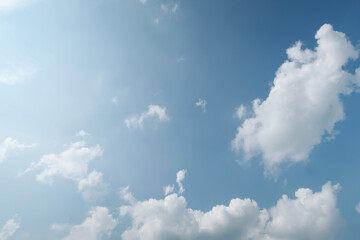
column 308, row 216
column 304, row 103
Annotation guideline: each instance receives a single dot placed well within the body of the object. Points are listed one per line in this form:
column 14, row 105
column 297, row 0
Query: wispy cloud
column 10, row 144
column 153, row 111
column 15, row 75
column 202, row 104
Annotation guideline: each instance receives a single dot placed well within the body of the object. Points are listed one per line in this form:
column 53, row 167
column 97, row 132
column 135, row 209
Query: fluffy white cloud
column 10, row 144
column 309, row 216
column 180, row 176
column 100, row 223
column 202, row 104
column 153, row 111
column 10, row 227
column 72, row 164
column 304, row 102
column 14, row 75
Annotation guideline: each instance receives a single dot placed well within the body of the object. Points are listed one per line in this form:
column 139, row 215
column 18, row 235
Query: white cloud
column 357, row 207
column 241, row 112
column 168, row 189
column 11, row 144
column 10, row 227
column 202, row 104
column 308, row 216
column 143, row 1
column 114, row 100
column 180, row 176
column 100, row 223
column 304, row 103
column 72, row 164
column 15, row 75
column 82, row 133
column 153, row 111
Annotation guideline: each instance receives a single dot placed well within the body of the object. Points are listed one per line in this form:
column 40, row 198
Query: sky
column 174, row 119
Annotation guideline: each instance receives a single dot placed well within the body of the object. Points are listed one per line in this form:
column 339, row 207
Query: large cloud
column 308, row 216
column 73, row 164
column 100, row 223
column 304, row 102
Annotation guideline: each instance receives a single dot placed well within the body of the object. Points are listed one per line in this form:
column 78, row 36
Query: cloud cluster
column 309, row 216
column 153, row 111
column 304, row 103
column 10, row 227
column 100, row 223
column 11, row 144
column 73, row 164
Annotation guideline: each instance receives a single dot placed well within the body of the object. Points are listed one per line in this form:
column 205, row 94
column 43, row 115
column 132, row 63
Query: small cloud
column 82, row 133
column 153, row 111
column 60, row 227
column 202, row 104
column 241, row 112
column 180, row 176
column 175, row 8
column 12, row 144
column 180, row 59
column 156, row 20
column 168, row 189
column 16, row 74
column 114, row 100
column 169, row 8
column 143, row 1
column 357, row 207
column 10, row 227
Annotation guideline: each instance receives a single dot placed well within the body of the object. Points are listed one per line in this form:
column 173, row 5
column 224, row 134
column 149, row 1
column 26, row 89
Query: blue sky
column 105, row 104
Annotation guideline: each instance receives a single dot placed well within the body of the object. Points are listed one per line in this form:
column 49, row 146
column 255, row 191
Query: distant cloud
column 16, row 75
column 153, row 111
column 180, row 59
column 114, row 100
column 99, row 224
column 202, row 104
column 309, row 216
column 82, row 133
column 10, row 144
column 170, row 9
column 357, row 207
column 10, row 227
column 143, row 1
column 303, row 105
column 72, row 164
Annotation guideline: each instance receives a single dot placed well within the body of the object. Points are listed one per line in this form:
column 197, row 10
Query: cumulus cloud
column 180, row 176
column 14, row 75
column 72, row 164
column 99, row 224
column 304, row 103
column 10, row 144
column 10, row 227
column 202, row 104
column 241, row 112
column 153, row 111
column 308, row 216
